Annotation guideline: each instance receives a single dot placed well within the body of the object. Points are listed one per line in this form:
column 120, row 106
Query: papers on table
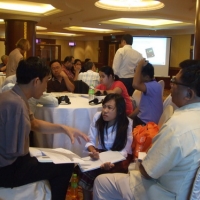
column 57, row 156
column 107, row 156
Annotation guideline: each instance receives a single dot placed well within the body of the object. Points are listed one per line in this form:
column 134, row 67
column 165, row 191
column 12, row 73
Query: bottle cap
column 75, row 175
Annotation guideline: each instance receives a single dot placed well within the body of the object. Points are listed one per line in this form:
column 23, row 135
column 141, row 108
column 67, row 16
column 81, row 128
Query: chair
column 162, row 83
column 167, row 113
column 34, row 191
column 136, row 96
column 81, row 87
column 195, row 192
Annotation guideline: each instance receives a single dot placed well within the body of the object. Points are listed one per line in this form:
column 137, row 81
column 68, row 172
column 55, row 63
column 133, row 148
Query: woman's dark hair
column 120, row 125
column 31, row 68
column 109, row 71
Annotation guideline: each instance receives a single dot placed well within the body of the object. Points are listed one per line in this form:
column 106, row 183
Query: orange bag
column 142, row 137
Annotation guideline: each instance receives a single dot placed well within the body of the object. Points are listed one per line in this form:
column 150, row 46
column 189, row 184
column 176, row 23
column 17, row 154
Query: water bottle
column 74, row 187
column 91, row 93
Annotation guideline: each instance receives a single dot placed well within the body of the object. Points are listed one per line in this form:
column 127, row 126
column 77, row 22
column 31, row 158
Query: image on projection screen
column 149, row 52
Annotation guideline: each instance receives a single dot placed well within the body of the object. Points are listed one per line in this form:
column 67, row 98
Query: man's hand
column 75, row 133
column 94, row 154
column 107, row 166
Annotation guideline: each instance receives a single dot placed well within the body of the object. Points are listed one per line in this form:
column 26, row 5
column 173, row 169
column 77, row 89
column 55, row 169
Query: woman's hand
column 107, row 166
column 94, row 154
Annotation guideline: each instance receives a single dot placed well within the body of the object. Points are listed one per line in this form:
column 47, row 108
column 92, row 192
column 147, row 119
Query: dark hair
column 109, row 71
column 87, row 60
column 148, row 70
column 68, row 59
column 31, row 68
column 128, row 38
column 121, row 123
column 88, row 65
column 53, row 61
column 188, row 62
column 77, row 60
column 190, row 75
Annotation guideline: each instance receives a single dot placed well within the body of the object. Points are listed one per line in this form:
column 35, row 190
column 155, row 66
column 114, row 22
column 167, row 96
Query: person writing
column 17, row 168
column 59, row 81
column 109, row 83
column 169, row 168
column 113, row 129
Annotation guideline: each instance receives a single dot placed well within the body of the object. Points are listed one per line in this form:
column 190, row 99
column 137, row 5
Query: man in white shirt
column 125, row 61
column 91, row 77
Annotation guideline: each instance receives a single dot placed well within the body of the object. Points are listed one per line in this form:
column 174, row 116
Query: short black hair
column 188, row 62
column 87, row 60
column 68, row 59
column 88, row 66
column 128, row 38
column 190, row 75
column 31, row 68
column 53, row 61
column 148, row 70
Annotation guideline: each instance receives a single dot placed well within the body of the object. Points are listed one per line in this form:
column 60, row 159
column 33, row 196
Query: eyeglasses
column 110, row 108
column 173, row 81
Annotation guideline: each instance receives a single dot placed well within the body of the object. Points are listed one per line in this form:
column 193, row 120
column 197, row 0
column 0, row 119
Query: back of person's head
column 121, row 122
column 31, row 68
column 87, row 60
column 148, row 70
column 188, row 62
column 68, row 59
column 88, row 66
column 23, row 44
column 109, row 71
column 3, row 58
column 190, row 76
column 53, row 61
column 128, row 39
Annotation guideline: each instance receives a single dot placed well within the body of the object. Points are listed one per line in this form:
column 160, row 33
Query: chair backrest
column 167, row 113
column 81, row 87
column 195, row 192
column 162, row 83
column 137, row 96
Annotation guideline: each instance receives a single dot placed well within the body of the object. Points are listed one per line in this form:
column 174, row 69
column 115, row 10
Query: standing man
column 16, row 55
column 59, row 81
column 125, row 61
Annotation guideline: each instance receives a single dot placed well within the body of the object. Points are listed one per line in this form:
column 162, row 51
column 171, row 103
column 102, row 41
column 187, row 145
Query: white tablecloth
column 78, row 114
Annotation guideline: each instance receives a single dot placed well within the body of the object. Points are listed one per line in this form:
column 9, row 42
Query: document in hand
column 57, row 156
column 107, row 156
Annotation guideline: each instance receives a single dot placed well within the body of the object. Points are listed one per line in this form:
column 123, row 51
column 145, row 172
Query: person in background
column 151, row 106
column 113, row 130
column 16, row 55
column 4, row 60
column 16, row 121
column 59, row 81
column 72, row 68
column 125, row 61
column 109, row 83
column 90, row 76
column 169, row 168
column 85, row 62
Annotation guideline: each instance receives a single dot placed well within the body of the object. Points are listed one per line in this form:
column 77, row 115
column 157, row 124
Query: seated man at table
column 4, row 60
column 17, row 168
column 169, row 168
column 59, row 81
column 151, row 106
column 90, row 76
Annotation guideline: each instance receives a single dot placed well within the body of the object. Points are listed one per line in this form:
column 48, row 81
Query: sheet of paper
column 141, row 155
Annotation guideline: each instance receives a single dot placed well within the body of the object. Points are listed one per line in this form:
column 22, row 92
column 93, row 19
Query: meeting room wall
column 2, row 48
column 82, row 50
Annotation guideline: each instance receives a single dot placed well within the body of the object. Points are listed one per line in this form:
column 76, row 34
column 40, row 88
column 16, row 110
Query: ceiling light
column 59, row 34
column 88, row 29
column 129, row 5
column 40, row 28
column 146, row 22
column 25, row 6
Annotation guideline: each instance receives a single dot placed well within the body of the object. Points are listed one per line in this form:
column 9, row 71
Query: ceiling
column 84, row 13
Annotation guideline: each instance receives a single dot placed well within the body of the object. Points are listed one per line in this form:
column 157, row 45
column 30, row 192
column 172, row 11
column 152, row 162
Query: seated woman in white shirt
column 113, row 129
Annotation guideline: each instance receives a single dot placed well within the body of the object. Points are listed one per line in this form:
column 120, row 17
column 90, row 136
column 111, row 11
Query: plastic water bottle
column 74, row 187
column 91, row 93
